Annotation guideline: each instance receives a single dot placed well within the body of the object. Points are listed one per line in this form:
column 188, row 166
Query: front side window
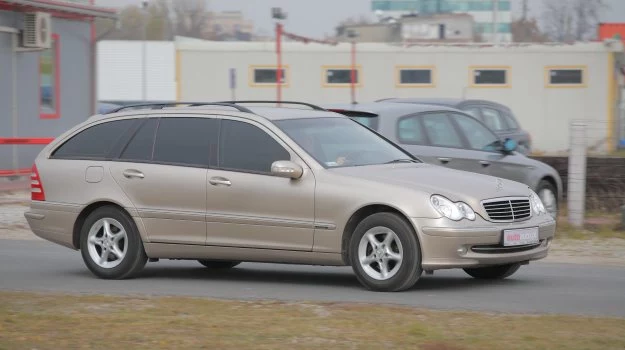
column 340, row 142
column 185, row 141
column 246, row 147
column 95, row 142
column 440, row 130
column 489, row 77
column 493, row 119
column 341, row 76
column 49, row 87
column 479, row 137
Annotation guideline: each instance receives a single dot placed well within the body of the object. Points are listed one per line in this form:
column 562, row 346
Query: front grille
column 508, row 209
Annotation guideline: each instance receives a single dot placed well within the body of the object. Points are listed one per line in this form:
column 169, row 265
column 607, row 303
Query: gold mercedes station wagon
column 222, row 184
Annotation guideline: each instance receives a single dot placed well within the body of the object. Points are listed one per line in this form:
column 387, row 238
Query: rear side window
column 409, row 131
column 493, row 119
column 245, row 147
column 141, row 147
column 512, row 124
column 185, row 141
column 95, row 142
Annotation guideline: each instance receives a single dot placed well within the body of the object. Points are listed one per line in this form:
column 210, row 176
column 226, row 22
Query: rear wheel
column 110, row 244
column 219, row 264
column 493, row 272
column 384, row 253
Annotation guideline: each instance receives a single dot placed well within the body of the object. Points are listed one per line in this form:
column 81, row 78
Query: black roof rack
column 312, row 106
column 174, row 104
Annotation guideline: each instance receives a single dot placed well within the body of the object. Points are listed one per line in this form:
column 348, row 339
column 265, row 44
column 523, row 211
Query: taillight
column 36, row 187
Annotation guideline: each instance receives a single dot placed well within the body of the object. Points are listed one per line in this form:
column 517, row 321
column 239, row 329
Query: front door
column 163, row 171
column 246, row 205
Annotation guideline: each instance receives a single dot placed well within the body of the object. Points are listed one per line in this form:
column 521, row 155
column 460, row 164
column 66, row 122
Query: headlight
column 537, row 205
column 454, row 211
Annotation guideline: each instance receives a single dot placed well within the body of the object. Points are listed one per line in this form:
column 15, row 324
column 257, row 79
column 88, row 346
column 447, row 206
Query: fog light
column 462, row 250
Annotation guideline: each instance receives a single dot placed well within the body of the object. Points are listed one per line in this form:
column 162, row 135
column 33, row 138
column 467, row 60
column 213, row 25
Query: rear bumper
column 446, row 244
column 53, row 222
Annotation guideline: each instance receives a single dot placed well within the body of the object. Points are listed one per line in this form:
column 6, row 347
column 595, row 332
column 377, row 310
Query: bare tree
column 527, row 31
column 191, row 17
column 570, row 20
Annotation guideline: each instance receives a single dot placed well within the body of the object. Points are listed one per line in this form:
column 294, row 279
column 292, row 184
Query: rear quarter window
column 95, row 142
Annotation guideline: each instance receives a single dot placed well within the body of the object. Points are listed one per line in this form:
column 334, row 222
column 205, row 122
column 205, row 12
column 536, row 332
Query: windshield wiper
column 402, row 160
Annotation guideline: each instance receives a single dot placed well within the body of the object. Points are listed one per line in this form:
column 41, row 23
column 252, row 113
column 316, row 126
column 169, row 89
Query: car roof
column 391, row 109
column 423, row 100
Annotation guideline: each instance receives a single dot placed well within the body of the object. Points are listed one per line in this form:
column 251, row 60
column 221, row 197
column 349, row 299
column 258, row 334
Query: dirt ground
column 587, row 250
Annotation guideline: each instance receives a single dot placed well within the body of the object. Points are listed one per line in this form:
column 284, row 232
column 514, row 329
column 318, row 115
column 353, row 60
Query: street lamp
column 353, row 35
column 278, row 15
column 144, row 6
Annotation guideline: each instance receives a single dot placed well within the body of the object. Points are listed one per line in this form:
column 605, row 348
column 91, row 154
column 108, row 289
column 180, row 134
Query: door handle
column 216, row 181
column 131, row 173
column 484, row 163
column 444, row 160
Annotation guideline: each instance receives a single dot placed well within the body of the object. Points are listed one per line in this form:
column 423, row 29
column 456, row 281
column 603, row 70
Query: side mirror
column 286, row 168
column 509, row 145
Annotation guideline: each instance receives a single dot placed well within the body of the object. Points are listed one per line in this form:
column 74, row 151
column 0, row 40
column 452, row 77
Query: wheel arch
column 85, row 212
column 360, row 215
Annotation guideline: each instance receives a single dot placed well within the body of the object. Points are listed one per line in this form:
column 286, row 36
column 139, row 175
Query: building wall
column 545, row 112
column 75, row 87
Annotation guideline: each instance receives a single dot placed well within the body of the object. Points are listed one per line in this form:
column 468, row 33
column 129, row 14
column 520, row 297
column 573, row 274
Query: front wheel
column 110, row 244
column 493, row 272
column 384, row 253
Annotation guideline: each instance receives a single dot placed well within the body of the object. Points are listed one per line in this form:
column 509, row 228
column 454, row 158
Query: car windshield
column 341, row 142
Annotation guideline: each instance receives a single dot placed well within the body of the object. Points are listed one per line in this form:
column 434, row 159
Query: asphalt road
column 537, row 288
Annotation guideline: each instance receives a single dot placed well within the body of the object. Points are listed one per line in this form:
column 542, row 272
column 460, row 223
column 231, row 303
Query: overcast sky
column 319, row 17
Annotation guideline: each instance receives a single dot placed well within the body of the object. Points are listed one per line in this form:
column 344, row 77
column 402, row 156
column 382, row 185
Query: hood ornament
column 499, row 185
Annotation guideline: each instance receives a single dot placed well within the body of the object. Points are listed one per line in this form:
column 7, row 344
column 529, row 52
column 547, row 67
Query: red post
column 353, row 73
column 279, row 69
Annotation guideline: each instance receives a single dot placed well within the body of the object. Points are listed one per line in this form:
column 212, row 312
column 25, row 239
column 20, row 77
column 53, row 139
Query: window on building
column 341, row 76
column 490, row 76
column 268, row 75
column 566, row 76
column 94, row 142
column 185, row 141
column 255, row 154
column 416, row 76
column 49, row 80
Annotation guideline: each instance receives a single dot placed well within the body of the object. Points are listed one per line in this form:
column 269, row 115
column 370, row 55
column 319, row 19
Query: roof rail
column 312, row 106
column 174, row 104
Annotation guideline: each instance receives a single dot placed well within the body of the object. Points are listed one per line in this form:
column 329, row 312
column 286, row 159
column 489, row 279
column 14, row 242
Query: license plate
column 521, row 236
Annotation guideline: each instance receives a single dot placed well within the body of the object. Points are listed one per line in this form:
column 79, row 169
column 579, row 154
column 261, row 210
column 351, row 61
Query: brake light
column 36, row 187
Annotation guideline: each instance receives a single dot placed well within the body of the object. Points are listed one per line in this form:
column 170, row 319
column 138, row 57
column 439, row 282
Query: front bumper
column 448, row 244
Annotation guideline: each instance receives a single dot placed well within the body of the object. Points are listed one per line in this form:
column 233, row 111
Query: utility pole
column 495, row 13
column 278, row 15
column 524, row 10
column 144, row 70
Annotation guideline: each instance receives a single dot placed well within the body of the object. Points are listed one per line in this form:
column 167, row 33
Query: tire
column 497, row 272
column 219, row 264
column 550, row 201
column 401, row 273
column 94, row 241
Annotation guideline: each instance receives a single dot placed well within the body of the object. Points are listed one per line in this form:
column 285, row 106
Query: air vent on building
column 37, row 30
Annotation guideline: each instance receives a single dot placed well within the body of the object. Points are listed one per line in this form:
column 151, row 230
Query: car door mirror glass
column 286, row 168
column 509, row 145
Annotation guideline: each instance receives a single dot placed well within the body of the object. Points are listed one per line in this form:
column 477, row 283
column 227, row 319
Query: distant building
column 229, row 26
column 47, row 78
column 483, row 12
column 449, row 28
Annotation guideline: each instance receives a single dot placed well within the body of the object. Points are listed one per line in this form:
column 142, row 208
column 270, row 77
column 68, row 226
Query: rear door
column 434, row 138
column 163, row 171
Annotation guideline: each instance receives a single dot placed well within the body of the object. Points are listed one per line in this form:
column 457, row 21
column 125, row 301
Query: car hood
column 456, row 185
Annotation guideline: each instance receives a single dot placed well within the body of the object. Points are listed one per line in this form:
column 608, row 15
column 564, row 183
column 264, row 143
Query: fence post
column 577, row 174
